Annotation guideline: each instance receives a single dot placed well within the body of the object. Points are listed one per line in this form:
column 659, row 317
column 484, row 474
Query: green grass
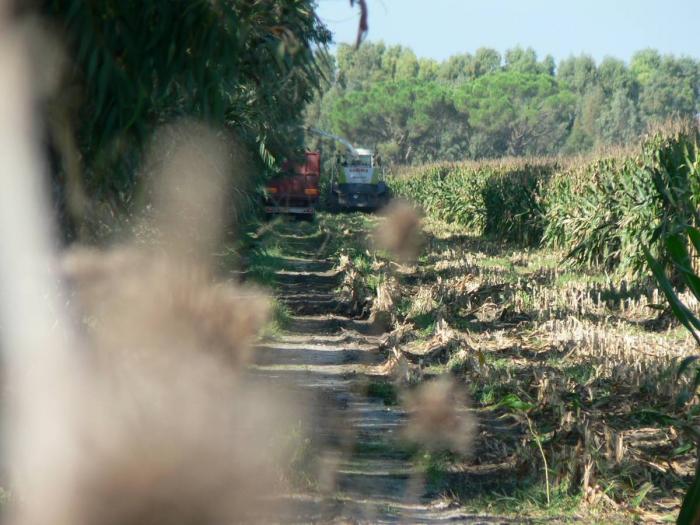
column 580, row 373
column 524, row 499
column 383, row 390
column 514, row 497
column 263, row 263
column 425, row 324
column 280, row 319
column 501, row 263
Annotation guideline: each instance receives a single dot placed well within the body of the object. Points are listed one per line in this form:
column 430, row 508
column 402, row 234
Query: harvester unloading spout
column 343, row 141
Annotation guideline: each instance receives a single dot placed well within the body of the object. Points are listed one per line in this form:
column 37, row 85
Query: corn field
column 600, row 210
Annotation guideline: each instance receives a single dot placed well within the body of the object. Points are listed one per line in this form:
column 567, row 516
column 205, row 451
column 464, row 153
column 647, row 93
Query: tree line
column 486, row 105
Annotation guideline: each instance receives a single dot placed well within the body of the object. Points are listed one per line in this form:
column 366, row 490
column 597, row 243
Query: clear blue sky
column 441, row 28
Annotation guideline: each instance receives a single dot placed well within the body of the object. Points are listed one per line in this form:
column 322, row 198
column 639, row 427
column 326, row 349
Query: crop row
column 602, row 210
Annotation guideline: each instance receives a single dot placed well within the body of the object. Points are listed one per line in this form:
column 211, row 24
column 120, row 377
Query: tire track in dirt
column 361, row 469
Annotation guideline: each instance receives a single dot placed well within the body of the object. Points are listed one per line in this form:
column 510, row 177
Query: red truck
column 296, row 192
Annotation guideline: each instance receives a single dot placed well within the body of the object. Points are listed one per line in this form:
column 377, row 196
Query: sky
column 441, row 28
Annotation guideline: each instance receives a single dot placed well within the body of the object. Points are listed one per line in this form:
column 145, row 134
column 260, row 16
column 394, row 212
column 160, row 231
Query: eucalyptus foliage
column 485, row 105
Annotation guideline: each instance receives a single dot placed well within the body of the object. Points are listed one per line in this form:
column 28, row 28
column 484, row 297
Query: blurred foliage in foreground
column 600, row 210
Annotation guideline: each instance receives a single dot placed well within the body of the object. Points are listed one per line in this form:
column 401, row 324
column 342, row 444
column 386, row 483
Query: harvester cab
column 357, row 178
column 358, row 182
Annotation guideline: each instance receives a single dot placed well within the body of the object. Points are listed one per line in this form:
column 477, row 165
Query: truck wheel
column 302, row 217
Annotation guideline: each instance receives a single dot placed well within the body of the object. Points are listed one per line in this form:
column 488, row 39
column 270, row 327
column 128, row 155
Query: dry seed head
column 398, row 368
column 383, row 314
column 388, row 292
column 144, row 419
column 191, row 169
column 140, row 302
column 439, row 416
column 401, row 232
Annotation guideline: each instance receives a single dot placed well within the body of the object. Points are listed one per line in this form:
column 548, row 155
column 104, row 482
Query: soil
column 359, row 469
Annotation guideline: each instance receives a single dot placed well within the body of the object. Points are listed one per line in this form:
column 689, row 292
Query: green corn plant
column 677, row 249
column 247, row 66
column 501, row 199
column 602, row 212
column 599, row 211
